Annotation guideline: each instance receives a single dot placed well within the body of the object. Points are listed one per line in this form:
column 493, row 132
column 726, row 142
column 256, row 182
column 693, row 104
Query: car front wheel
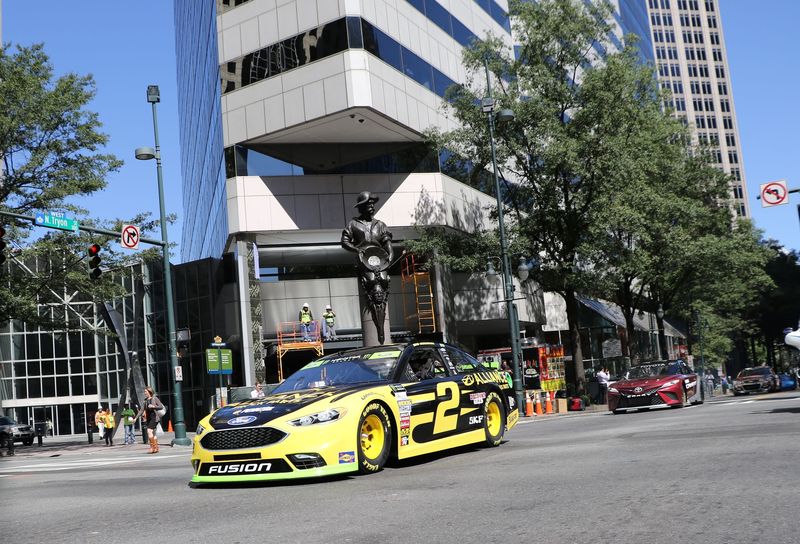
column 374, row 438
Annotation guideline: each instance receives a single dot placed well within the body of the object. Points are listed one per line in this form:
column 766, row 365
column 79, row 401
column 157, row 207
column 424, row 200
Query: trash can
column 40, row 428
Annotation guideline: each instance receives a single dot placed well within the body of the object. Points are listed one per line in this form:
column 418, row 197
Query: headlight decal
column 325, row 416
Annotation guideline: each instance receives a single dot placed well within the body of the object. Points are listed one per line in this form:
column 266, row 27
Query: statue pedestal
column 368, row 329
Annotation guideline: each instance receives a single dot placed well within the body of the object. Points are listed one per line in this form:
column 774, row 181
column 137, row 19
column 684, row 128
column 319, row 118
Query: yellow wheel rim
column 493, row 419
column 372, row 437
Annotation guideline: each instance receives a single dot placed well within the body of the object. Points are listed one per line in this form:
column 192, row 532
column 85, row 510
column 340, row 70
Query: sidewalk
column 54, row 446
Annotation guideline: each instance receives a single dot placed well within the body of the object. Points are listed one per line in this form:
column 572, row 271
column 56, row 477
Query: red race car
column 654, row 385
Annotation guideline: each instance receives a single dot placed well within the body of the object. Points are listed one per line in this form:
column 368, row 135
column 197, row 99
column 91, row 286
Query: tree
column 581, row 124
column 50, row 146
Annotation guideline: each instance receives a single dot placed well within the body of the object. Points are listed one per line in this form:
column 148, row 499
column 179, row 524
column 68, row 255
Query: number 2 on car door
column 444, row 423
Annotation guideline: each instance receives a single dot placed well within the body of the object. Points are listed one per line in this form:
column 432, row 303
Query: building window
column 709, row 5
column 703, row 70
column 738, row 192
column 712, row 21
column 712, row 123
column 720, row 71
column 722, row 88
column 715, row 38
column 709, row 104
column 733, row 157
column 725, row 106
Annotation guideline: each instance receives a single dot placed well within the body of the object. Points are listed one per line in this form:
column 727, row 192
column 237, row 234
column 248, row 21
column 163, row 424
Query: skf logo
column 474, row 420
column 347, row 457
column 240, row 468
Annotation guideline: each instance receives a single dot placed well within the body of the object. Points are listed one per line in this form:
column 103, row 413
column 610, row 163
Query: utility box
column 561, row 406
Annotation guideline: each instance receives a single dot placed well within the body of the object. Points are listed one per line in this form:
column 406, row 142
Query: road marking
column 78, row 464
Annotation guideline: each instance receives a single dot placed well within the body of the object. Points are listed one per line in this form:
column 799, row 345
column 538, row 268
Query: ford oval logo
column 244, row 420
column 635, row 390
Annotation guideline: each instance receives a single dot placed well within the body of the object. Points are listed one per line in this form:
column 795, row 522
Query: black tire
column 493, row 406
column 28, row 441
column 616, row 412
column 374, row 421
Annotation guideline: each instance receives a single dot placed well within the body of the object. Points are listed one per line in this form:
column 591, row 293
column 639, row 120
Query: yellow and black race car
column 351, row 411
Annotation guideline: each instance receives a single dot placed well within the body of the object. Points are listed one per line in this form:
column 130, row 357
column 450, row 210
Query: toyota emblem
column 637, row 389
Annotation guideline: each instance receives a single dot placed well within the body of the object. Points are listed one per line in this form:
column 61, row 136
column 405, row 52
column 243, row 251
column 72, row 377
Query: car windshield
column 650, row 371
column 365, row 365
column 762, row 371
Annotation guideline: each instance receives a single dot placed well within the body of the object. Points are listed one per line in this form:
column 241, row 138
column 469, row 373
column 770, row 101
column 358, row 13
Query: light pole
column 662, row 351
column 147, row 153
column 504, row 116
column 700, row 374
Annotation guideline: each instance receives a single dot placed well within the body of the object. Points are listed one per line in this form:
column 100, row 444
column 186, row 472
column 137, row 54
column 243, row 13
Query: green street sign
column 56, row 220
column 213, row 363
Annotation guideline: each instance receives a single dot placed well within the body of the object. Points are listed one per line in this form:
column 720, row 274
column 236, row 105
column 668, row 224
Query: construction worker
column 329, row 324
column 306, row 319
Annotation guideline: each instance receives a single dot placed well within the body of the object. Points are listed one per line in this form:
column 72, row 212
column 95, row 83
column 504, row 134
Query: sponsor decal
column 404, row 407
column 384, row 354
column 295, row 398
column 242, row 420
column 401, row 395
column 405, row 422
column 511, row 402
column 254, row 410
column 480, row 378
column 347, row 457
column 511, row 418
column 368, row 395
column 258, row 467
column 477, row 398
column 405, row 432
column 404, row 441
column 474, row 420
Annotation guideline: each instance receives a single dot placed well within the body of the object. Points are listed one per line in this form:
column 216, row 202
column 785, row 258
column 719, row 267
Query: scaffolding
column 415, row 272
column 291, row 337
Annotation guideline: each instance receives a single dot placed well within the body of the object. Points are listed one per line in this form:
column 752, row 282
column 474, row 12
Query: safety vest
column 109, row 420
column 330, row 317
column 305, row 316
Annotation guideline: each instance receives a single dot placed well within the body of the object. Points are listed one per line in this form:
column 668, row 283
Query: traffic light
column 94, row 261
column 2, row 245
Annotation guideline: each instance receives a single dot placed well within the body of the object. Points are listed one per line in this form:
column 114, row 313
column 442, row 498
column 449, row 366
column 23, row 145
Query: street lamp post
column 663, row 353
column 701, row 372
column 508, row 286
column 147, row 153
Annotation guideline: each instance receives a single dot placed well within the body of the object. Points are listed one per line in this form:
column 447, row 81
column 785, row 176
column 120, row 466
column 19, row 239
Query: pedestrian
column 128, row 416
column 709, row 384
column 49, row 427
column 602, row 382
column 329, row 323
column 257, row 392
column 724, row 383
column 7, row 440
column 108, row 419
column 306, row 319
column 99, row 420
column 151, row 417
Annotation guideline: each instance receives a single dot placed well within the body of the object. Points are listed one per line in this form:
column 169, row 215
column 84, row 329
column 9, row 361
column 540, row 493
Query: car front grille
column 235, row 439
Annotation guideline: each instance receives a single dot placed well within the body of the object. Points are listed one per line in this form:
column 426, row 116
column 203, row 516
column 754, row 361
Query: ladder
column 414, row 272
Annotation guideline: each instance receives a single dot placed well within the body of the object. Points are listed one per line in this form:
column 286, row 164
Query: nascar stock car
column 352, row 411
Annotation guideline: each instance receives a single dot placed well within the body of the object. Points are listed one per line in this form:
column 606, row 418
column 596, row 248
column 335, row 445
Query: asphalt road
column 724, row 472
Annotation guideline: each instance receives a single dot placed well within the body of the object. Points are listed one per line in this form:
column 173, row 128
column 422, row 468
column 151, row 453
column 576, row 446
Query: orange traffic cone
column 528, row 406
column 169, row 427
column 548, row 407
column 537, row 404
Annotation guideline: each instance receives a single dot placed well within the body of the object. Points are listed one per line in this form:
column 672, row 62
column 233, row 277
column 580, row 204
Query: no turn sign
column 774, row 193
column 130, row 237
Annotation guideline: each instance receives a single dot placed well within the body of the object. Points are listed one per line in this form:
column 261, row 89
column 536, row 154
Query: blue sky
column 129, row 45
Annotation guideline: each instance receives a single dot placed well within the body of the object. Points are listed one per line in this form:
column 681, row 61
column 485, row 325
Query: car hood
column 644, row 383
column 757, row 378
column 256, row 412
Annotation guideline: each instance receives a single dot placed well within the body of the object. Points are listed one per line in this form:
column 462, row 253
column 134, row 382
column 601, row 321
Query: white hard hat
column 305, row 305
column 328, row 307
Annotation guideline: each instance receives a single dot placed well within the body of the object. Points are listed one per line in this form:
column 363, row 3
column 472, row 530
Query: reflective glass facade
column 205, row 220
column 633, row 20
column 62, row 375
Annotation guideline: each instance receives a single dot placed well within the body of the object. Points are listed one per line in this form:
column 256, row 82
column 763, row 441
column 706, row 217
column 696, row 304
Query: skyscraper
column 692, row 62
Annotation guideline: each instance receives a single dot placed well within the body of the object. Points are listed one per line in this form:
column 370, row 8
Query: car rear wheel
column 494, row 419
column 374, row 438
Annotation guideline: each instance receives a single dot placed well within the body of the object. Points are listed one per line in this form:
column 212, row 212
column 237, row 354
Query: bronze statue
column 371, row 240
